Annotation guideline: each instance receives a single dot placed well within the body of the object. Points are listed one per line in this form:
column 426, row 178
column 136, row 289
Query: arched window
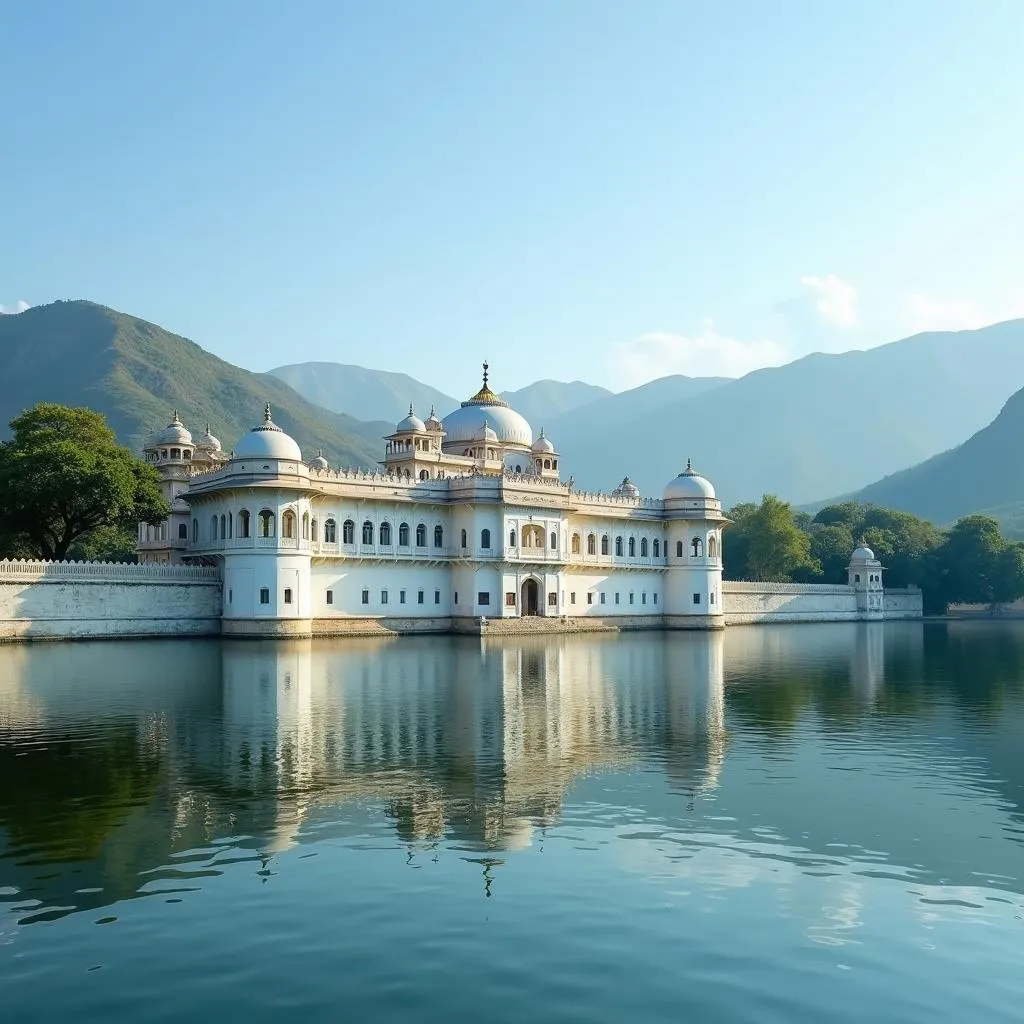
column 421, row 536
column 605, row 548
column 547, row 463
column 182, row 531
column 575, row 543
column 313, row 531
column 367, row 532
column 231, row 525
column 485, row 539
column 243, row 523
column 512, row 538
column 698, row 547
column 553, row 541
column 331, row 531
column 223, row 526
column 712, row 546
column 305, row 526
column 643, row 547
column 591, row 544
column 632, row 547
column 348, row 532
column 195, row 530
column 266, row 523
column 657, row 547
column 288, row 524
column 213, row 527
column 679, row 549
column 463, row 539
column 618, row 547
column 385, row 534
column 403, row 535
column 438, row 537
column 424, row 475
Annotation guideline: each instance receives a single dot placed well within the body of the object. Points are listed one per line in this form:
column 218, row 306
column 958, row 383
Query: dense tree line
column 972, row 562
column 68, row 489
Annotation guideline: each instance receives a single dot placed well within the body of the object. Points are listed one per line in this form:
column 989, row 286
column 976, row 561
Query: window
column 403, row 535
column 231, row 596
column 287, row 595
column 424, row 475
column 632, row 547
column 264, row 595
column 438, row 537
column 618, row 547
column 230, row 525
column 330, row 597
column 712, row 598
column 213, row 527
column 485, row 539
column 712, row 546
column 463, row 540
column 575, row 545
column 421, row 536
column 698, row 547
column 305, row 526
column 696, row 598
column 631, row 597
column 419, row 597
column 437, row 597
column 313, row 532
column 243, row 523
column 657, row 548
column 456, row 597
column 288, row 524
column 266, row 523
column 182, row 531
column 572, row 597
column 383, row 597
column 590, row 598
column 604, row 544
column 856, row 578
column 331, row 531
column 401, row 597
column 553, row 541
column 643, row 597
column 223, row 526
column 643, row 547
column 511, row 538
column 679, row 549
column 385, row 534
column 348, row 532
column 366, row 597
column 510, row 599
column 368, row 532
column 655, row 598
column 602, row 597
column 616, row 597
column 484, row 597
column 552, row 599
column 195, row 530
column 591, row 544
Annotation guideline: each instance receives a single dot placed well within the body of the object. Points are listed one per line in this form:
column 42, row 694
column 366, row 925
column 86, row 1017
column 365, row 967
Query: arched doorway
column 531, row 598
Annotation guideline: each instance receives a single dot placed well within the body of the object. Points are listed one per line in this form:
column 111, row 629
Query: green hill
column 135, row 373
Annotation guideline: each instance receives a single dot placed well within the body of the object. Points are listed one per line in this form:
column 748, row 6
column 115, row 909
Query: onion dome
column 542, row 446
column 174, row 433
column 411, row 422
column 862, row 553
column 486, row 433
column 208, row 443
column 627, row 489
column 463, row 424
column 689, row 484
column 267, row 441
column 433, row 423
column 319, row 463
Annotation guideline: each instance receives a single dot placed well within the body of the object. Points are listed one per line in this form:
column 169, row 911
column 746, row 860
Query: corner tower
column 865, row 577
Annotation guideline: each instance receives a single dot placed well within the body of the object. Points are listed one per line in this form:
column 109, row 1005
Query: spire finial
column 689, row 465
column 207, row 426
column 410, row 408
column 176, row 420
column 266, row 413
column 485, row 374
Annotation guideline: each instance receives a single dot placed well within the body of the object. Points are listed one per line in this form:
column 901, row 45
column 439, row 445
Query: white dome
column 464, row 423
column 174, row 433
column 267, row 441
column 208, row 442
column 319, row 462
column 485, row 433
column 862, row 554
column 627, row 489
column 688, row 484
column 411, row 422
column 542, row 446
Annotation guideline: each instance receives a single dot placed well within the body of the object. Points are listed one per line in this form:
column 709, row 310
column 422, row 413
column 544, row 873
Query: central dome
column 464, row 423
column 267, row 441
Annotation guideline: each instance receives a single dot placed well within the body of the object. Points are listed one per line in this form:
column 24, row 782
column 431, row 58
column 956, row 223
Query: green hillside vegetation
column 985, row 472
column 970, row 563
column 136, row 373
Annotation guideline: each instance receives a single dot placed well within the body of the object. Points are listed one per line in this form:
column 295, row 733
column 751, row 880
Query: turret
column 865, row 576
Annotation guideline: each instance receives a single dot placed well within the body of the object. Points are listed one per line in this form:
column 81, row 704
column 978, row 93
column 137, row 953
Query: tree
column 63, row 475
column 776, row 548
column 1008, row 584
column 831, row 547
column 969, row 560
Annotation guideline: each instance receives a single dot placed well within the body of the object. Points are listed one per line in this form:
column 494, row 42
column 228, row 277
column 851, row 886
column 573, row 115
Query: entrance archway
column 530, row 598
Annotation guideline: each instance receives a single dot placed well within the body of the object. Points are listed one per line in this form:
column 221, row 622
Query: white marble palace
column 467, row 526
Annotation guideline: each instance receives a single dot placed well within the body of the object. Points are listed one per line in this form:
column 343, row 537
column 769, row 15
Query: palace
column 466, row 527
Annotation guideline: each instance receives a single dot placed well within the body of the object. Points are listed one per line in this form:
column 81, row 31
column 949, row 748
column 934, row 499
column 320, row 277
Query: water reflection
column 135, row 769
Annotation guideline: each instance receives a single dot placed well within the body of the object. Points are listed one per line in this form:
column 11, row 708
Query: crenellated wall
column 68, row 600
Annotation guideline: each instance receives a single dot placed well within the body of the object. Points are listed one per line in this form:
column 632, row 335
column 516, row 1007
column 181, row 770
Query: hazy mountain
column 985, row 473
column 136, row 374
column 825, row 424
column 544, row 400
column 362, row 393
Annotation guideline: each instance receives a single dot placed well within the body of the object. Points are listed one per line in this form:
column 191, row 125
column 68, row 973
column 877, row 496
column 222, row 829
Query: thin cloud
column 925, row 313
column 19, row 307
column 835, row 299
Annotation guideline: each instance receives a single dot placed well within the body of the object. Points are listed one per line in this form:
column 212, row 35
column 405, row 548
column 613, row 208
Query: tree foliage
column 772, row 545
column 64, row 477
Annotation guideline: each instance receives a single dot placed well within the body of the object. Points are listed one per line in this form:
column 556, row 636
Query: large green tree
column 774, row 545
column 63, row 476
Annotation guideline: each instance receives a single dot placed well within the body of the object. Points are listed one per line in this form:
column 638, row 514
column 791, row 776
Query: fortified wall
column 72, row 600
column 746, row 603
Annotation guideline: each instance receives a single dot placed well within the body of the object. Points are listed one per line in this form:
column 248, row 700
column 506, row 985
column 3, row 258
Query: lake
column 774, row 824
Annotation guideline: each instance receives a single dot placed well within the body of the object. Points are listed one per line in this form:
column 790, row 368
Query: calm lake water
column 791, row 824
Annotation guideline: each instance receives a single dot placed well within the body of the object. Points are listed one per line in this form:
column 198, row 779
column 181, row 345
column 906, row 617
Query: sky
column 604, row 191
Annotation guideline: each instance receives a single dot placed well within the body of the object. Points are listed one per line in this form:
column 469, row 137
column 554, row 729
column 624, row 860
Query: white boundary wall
column 787, row 602
column 63, row 600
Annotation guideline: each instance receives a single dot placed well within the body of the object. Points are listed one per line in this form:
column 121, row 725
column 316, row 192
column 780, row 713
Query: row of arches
column 384, row 534
column 627, row 547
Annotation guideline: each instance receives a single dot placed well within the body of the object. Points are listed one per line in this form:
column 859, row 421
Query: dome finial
column 410, row 408
column 485, row 374
column 266, row 413
column 175, row 420
column 207, row 426
column 689, row 465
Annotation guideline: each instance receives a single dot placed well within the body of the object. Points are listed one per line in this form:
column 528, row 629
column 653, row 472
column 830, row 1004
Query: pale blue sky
column 606, row 191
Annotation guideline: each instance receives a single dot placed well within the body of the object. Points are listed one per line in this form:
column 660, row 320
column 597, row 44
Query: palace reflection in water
column 142, row 768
